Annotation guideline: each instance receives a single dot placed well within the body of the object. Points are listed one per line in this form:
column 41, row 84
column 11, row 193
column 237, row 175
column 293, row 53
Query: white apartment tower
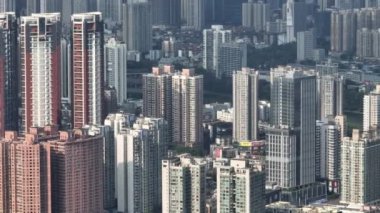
column 140, row 150
column 212, row 38
column 327, row 151
column 116, row 68
column 371, row 110
column 184, row 184
column 245, row 102
column 360, row 170
column 187, row 107
column 329, row 91
column 240, row 188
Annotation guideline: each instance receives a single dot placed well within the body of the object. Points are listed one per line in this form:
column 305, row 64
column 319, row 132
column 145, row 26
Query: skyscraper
column 109, row 184
column 77, row 172
column 256, row 15
column 306, row 43
column 231, row 57
column 343, row 31
column 327, row 152
column 140, row 151
column 8, row 73
column 371, row 110
column 25, row 174
column 193, row 14
column 245, row 102
column 7, row 6
column 88, row 68
column 137, row 25
column 212, row 38
column 296, row 12
column 116, row 68
column 360, row 170
column 40, row 69
column 187, row 106
column 330, row 88
column 293, row 113
column 183, row 184
column 240, row 188
column 157, row 95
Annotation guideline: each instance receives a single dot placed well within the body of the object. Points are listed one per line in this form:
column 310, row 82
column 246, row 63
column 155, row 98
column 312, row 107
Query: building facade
column 183, row 184
column 88, row 68
column 245, row 102
column 8, row 73
column 360, row 170
column 116, row 68
column 140, row 151
column 293, row 115
column 240, row 188
column 187, row 107
column 371, row 110
column 40, row 70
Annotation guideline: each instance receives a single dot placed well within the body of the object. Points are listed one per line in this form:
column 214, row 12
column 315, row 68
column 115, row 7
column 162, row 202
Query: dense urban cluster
column 179, row 106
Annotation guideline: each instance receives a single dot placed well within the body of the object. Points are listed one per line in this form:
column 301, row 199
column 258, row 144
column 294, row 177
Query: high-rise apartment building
column 25, row 174
column 329, row 90
column 137, row 25
column 360, row 171
column 7, row 6
column 187, row 106
column 212, row 38
column 8, row 73
column 240, row 188
column 327, row 152
column 166, row 12
column 51, row 171
column 77, row 172
column 116, row 68
column 183, row 184
column 293, row 115
column 109, row 166
column 87, row 68
column 245, row 102
column 343, row 31
column 139, row 153
column 256, row 15
column 231, row 57
column 193, row 14
column 157, row 95
column 371, row 110
column 40, row 69
column 296, row 13
column 306, row 43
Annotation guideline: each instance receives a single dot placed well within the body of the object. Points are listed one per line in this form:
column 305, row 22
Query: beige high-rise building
column 157, row 94
column 183, row 184
column 360, row 171
column 187, row 107
column 371, row 110
column 240, row 188
column 245, row 102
